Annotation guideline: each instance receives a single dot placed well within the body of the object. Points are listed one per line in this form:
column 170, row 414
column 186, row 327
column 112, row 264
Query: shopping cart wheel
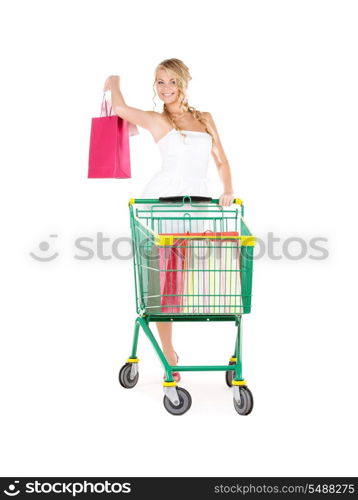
column 246, row 403
column 184, row 402
column 229, row 375
column 126, row 378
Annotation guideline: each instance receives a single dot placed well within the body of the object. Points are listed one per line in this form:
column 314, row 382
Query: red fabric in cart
column 172, row 266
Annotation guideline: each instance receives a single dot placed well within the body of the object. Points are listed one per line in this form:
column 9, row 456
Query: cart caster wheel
column 184, row 405
column 246, row 403
column 125, row 378
column 229, row 375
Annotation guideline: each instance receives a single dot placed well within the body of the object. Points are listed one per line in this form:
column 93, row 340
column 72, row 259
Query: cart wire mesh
column 191, row 259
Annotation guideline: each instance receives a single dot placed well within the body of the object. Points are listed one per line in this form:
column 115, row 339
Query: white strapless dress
column 184, row 165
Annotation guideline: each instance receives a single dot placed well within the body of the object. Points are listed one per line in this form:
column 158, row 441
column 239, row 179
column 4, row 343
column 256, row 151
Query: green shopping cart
column 193, row 261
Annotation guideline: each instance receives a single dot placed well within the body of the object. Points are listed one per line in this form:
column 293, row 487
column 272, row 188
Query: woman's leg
column 165, row 334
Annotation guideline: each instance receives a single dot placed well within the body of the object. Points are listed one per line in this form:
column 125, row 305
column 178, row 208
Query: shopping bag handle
column 104, row 107
column 177, row 199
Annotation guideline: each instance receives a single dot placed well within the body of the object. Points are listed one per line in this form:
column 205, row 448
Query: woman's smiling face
column 166, row 87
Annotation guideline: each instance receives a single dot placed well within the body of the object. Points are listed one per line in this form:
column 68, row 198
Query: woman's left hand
column 226, row 199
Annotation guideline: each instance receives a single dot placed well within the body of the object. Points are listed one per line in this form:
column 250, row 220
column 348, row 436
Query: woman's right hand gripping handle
column 111, row 81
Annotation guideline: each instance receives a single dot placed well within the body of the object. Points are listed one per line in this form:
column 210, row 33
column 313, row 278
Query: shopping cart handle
column 178, row 199
column 183, row 199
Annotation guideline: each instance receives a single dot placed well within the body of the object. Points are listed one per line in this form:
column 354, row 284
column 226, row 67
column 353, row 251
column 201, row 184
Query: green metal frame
column 144, row 318
column 143, row 321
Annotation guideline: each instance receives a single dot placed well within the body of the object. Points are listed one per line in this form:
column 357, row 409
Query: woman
column 186, row 137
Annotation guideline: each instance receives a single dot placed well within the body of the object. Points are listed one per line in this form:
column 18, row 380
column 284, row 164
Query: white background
column 280, row 79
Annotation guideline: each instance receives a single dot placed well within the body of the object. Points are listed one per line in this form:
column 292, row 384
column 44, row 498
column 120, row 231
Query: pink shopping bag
column 109, row 154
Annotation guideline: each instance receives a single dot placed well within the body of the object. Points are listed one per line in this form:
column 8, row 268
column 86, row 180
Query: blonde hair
column 180, row 72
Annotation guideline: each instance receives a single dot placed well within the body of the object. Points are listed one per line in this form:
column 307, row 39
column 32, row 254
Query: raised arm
column 146, row 119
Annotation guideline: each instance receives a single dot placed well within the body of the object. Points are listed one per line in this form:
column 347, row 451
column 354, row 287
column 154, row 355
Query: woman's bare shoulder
column 159, row 119
column 161, row 125
column 207, row 115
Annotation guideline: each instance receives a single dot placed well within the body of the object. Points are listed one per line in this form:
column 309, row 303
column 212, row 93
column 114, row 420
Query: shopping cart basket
column 193, row 261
